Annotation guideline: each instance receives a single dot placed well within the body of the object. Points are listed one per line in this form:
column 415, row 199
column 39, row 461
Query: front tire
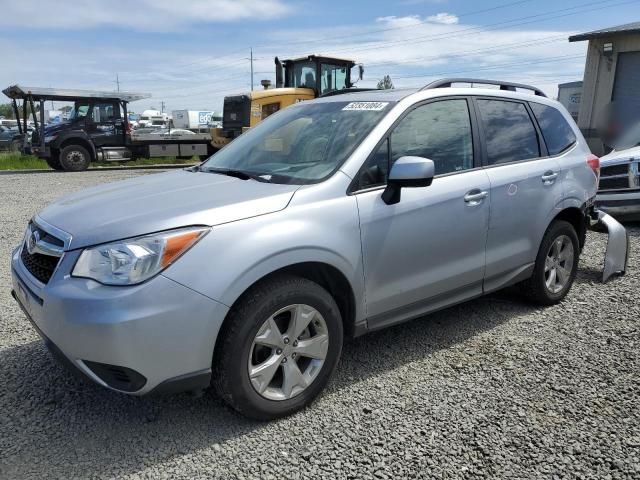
column 54, row 162
column 74, row 158
column 556, row 265
column 278, row 347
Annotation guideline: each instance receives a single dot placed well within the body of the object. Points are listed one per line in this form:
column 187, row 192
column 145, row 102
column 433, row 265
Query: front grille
column 614, row 183
column 615, row 170
column 38, row 265
column 46, row 250
column 620, row 177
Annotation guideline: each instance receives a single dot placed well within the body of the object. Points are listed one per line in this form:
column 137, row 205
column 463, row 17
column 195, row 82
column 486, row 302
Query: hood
column 620, row 155
column 56, row 127
column 151, row 203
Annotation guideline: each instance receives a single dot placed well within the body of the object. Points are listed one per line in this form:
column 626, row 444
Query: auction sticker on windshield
column 373, row 106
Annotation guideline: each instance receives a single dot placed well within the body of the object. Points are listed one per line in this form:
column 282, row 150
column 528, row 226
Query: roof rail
column 510, row 86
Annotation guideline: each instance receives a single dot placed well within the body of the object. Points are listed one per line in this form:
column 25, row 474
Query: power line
column 491, row 67
column 353, row 35
column 499, row 26
column 495, row 26
column 437, row 74
column 531, row 42
column 466, row 31
column 417, row 24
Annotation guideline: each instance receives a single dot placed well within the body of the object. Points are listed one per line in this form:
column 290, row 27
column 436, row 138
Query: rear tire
column 260, row 331
column 74, row 158
column 556, row 265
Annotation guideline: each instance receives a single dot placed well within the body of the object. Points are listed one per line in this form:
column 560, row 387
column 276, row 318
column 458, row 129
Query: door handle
column 474, row 197
column 549, row 177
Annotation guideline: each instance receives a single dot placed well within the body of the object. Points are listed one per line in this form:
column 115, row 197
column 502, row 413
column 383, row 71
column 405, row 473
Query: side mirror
column 360, row 71
column 408, row 172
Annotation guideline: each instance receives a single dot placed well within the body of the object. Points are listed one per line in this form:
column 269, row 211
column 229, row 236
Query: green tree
column 385, row 83
column 6, row 110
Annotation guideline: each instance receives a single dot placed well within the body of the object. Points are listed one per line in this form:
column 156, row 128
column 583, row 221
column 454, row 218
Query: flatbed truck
column 97, row 130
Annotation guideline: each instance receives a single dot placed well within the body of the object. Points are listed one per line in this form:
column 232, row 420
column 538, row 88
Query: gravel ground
column 492, row 388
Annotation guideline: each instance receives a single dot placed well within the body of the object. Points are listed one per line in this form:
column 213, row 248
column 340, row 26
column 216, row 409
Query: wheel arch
column 324, row 274
column 80, row 141
column 575, row 216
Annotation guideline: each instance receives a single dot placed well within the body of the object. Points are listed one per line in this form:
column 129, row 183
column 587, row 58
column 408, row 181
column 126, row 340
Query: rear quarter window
column 557, row 133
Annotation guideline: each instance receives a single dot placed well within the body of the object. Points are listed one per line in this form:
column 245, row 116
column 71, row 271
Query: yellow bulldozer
column 297, row 80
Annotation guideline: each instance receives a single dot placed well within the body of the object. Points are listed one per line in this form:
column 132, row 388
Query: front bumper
column 624, row 205
column 158, row 335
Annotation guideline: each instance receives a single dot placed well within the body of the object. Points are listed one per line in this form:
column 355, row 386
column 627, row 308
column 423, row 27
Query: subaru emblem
column 32, row 241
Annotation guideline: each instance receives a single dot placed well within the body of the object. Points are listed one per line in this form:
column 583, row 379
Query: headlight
column 135, row 260
column 50, row 138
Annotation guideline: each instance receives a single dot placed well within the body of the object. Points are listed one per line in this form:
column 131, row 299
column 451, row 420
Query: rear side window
column 509, row 133
column 557, row 133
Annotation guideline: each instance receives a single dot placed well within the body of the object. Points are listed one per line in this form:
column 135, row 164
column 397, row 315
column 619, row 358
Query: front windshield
column 302, row 74
column 80, row 110
column 302, row 144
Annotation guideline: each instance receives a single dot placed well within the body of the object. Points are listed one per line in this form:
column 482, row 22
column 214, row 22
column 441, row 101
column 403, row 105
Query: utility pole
column 251, row 58
column 162, row 106
column 118, row 82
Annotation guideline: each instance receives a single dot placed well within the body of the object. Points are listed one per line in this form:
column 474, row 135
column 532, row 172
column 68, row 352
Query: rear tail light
column 594, row 165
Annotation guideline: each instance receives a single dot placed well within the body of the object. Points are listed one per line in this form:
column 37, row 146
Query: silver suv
column 332, row 218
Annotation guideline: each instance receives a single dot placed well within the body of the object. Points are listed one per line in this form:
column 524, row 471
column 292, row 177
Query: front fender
column 279, row 260
column 234, row 256
column 79, row 136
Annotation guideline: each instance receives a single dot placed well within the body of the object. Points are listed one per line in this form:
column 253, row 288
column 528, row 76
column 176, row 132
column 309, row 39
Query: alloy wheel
column 558, row 264
column 288, row 352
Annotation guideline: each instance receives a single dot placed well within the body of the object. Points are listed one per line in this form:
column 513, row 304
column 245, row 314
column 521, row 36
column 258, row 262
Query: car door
column 428, row 250
column 525, row 188
column 104, row 124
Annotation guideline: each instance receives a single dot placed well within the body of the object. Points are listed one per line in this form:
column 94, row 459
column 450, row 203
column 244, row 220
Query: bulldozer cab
column 321, row 74
column 297, row 80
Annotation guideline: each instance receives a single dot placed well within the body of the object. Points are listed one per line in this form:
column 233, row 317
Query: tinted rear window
column 557, row 133
column 509, row 132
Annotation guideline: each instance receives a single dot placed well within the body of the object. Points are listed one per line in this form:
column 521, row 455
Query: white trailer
column 192, row 119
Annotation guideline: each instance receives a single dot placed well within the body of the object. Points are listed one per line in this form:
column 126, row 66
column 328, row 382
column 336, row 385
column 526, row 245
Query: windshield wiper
column 241, row 174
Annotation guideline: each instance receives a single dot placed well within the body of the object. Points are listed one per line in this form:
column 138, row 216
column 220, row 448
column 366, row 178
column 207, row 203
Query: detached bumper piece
column 617, row 254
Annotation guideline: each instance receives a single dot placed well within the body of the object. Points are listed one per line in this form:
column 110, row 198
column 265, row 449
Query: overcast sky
column 191, row 54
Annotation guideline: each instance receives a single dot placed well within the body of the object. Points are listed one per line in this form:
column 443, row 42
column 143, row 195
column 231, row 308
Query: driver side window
column 440, row 131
